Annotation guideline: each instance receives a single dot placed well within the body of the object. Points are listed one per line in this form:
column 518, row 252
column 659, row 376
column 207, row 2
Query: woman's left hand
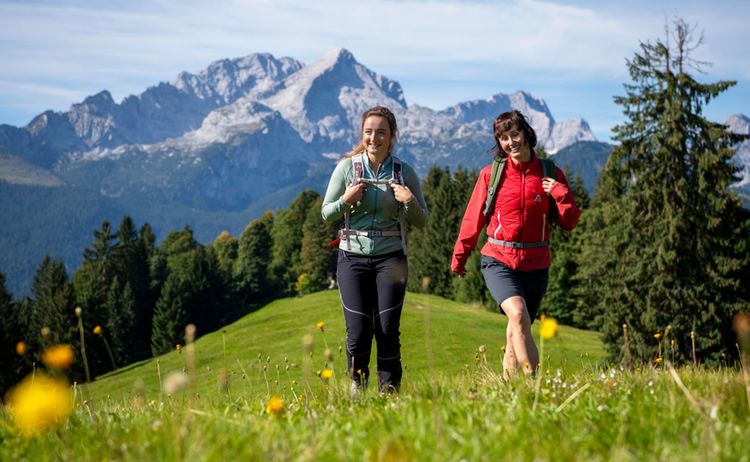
column 402, row 193
column 548, row 183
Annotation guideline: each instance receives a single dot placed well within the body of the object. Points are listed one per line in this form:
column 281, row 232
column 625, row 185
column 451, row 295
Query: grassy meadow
column 265, row 388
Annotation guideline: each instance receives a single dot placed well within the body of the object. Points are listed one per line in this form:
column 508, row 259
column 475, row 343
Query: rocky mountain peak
column 738, row 123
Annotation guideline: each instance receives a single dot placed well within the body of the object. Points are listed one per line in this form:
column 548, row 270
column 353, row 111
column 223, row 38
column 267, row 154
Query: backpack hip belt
column 357, row 232
column 518, row 245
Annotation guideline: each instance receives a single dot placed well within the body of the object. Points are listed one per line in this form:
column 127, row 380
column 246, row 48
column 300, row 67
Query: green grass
column 275, row 333
column 453, row 404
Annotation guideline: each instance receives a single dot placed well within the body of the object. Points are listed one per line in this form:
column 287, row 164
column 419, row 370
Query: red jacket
column 521, row 214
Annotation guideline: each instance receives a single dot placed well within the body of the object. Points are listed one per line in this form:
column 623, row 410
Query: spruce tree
column 12, row 331
column 318, row 260
column 54, row 303
column 559, row 300
column 132, row 269
column 668, row 241
column 121, row 322
column 430, row 247
column 170, row 317
column 253, row 260
column 286, row 264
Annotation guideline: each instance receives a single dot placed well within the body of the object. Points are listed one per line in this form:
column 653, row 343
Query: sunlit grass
column 273, row 386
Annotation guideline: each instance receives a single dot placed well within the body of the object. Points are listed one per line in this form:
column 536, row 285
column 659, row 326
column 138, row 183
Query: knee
column 517, row 315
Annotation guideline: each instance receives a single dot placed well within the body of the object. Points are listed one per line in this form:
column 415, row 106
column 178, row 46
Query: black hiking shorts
column 504, row 283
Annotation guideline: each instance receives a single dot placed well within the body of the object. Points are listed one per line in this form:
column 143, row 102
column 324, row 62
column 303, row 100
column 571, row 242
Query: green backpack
column 498, row 166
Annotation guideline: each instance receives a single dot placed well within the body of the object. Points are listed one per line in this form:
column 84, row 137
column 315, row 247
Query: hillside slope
column 267, row 336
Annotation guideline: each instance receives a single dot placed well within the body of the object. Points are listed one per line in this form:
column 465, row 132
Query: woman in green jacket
column 376, row 193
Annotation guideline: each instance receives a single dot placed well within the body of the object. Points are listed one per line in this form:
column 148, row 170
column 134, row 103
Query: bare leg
column 519, row 324
column 509, row 360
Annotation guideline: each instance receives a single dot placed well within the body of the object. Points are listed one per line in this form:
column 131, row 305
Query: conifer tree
column 121, row 322
column 12, row 331
column 318, row 260
column 253, row 260
column 559, row 300
column 170, row 317
column 430, row 247
column 54, row 303
column 287, row 234
column 668, row 241
column 132, row 269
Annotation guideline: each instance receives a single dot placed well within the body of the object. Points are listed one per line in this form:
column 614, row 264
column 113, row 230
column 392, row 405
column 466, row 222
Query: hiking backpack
column 358, row 177
column 498, row 167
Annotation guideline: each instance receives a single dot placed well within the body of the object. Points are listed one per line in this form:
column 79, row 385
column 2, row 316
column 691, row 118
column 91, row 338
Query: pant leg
column 392, row 274
column 356, row 281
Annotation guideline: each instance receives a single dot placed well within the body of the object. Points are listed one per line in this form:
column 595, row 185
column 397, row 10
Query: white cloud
column 80, row 47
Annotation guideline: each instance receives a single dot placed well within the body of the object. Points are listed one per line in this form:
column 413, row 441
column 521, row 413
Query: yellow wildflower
column 39, row 403
column 58, row 356
column 659, row 360
column 326, row 374
column 21, row 348
column 502, row 347
column 657, row 336
column 98, row 330
column 321, row 325
column 548, row 328
column 275, row 405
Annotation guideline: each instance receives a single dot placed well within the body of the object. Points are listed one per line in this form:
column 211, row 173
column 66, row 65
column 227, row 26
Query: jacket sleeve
column 333, row 204
column 416, row 209
column 471, row 225
column 567, row 209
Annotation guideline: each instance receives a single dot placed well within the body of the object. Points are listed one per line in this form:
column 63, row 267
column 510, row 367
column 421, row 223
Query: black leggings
column 372, row 294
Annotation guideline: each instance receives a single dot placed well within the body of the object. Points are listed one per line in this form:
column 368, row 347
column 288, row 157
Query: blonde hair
column 380, row 111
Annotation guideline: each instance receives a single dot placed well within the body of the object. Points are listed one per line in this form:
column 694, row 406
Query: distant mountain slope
column 15, row 170
column 586, row 159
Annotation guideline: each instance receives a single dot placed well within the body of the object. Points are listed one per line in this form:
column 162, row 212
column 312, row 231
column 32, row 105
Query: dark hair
column 380, row 111
column 507, row 121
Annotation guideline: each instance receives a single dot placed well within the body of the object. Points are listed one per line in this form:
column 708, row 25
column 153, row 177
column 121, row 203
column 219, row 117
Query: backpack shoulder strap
column 548, row 168
column 498, row 166
column 358, row 167
column 397, row 173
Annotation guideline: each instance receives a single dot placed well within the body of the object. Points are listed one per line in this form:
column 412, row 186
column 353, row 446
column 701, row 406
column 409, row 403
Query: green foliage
column 287, row 234
column 559, row 300
column 253, row 260
column 54, row 302
column 12, row 331
column 170, row 317
column 430, row 247
column 318, row 259
column 667, row 241
column 226, row 248
column 121, row 321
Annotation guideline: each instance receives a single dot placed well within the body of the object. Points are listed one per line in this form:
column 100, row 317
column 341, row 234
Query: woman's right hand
column 353, row 194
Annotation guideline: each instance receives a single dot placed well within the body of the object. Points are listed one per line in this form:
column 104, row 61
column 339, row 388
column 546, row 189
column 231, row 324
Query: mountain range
column 215, row 149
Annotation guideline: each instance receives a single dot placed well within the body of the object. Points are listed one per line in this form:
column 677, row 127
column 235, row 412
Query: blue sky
column 570, row 53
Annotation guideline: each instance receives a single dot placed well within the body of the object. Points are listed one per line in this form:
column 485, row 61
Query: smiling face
column 513, row 142
column 376, row 136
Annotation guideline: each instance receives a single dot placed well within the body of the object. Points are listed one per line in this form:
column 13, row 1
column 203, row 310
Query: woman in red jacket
column 516, row 258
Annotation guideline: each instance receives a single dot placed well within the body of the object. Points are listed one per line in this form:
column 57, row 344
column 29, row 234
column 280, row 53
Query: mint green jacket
column 378, row 210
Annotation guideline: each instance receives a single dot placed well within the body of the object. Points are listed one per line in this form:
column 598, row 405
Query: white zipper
column 494, row 235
